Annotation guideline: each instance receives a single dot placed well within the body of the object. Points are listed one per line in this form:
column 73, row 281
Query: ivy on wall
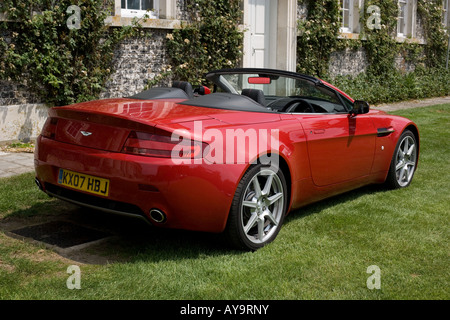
column 436, row 48
column 64, row 65
column 380, row 44
column 382, row 81
column 320, row 31
column 318, row 36
column 61, row 65
column 211, row 40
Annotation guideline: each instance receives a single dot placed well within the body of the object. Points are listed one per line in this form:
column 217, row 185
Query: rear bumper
column 192, row 196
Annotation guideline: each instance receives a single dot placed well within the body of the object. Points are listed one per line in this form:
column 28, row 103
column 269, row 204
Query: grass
column 18, row 147
column 322, row 252
column 21, row 145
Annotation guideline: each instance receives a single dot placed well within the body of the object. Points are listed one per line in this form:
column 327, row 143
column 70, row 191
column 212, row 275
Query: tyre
column 258, row 209
column 404, row 162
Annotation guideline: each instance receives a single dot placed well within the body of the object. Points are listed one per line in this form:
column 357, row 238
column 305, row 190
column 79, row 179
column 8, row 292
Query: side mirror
column 360, row 107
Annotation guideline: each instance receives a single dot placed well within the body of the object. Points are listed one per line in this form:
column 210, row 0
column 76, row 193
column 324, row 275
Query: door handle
column 383, row 132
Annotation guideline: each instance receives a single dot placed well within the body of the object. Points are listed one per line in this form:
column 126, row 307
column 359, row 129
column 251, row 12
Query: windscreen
column 277, row 86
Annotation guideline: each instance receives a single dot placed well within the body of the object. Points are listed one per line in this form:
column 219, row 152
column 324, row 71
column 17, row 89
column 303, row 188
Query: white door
column 262, row 28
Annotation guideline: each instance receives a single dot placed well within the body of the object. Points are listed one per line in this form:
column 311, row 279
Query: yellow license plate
column 83, row 182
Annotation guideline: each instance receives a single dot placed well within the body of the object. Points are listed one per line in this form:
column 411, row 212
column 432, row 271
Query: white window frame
column 133, row 13
column 354, row 12
column 350, row 11
column 446, row 14
column 405, row 18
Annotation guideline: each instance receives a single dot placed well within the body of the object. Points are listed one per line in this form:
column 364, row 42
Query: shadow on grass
column 133, row 240
column 317, row 207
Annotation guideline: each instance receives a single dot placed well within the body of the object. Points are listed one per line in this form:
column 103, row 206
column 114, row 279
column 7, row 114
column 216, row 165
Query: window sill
column 403, row 39
column 118, row 21
column 399, row 39
column 348, row 35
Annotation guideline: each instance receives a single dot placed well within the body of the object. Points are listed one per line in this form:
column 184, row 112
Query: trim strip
column 383, row 132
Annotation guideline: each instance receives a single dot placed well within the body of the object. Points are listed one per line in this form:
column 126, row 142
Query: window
column 347, row 15
column 138, row 8
column 402, row 18
column 446, row 13
column 350, row 14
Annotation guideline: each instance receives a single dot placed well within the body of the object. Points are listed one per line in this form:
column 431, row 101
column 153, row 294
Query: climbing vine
column 436, row 49
column 60, row 63
column 65, row 65
column 211, row 40
column 380, row 43
column 318, row 36
column 381, row 81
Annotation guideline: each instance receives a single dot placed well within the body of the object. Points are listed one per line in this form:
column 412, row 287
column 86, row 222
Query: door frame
column 282, row 46
column 341, row 147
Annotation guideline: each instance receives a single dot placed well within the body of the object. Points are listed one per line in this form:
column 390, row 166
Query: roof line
column 262, row 71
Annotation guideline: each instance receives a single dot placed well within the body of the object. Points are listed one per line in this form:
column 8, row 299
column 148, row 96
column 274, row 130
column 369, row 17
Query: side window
column 318, row 92
column 402, row 19
column 446, row 14
column 323, row 99
column 347, row 103
column 346, row 15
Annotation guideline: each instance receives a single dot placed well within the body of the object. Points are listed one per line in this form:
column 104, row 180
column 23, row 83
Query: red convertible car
column 236, row 161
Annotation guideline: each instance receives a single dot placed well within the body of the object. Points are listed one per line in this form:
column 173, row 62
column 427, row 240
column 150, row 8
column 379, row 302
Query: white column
column 168, row 9
column 117, row 7
column 287, row 35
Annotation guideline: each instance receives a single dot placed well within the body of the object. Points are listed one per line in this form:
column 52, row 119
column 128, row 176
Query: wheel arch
column 415, row 131
column 391, row 180
column 285, row 169
column 234, row 232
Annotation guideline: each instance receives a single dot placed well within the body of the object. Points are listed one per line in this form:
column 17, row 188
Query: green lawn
column 322, row 252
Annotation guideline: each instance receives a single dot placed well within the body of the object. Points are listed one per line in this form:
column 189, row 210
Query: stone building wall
column 182, row 13
column 353, row 62
column 141, row 59
column 348, row 62
column 22, row 113
column 136, row 62
column 12, row 93
column 302, row 12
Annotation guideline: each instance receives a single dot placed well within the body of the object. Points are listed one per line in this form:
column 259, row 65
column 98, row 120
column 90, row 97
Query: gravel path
column 411, row 104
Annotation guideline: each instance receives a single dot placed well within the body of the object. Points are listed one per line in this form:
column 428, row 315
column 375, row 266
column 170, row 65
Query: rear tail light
column 49, row 129
column 162, row 146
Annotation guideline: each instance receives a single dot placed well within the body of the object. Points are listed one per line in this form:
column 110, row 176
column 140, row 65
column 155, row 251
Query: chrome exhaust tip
column 157, row 216
column 38, row 183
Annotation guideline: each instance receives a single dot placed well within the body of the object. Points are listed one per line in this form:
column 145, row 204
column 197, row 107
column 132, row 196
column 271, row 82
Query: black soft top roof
column 161, row 93
column 227, row 101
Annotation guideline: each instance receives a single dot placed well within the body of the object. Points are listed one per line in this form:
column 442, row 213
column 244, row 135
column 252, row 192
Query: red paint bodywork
column 323, row 155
